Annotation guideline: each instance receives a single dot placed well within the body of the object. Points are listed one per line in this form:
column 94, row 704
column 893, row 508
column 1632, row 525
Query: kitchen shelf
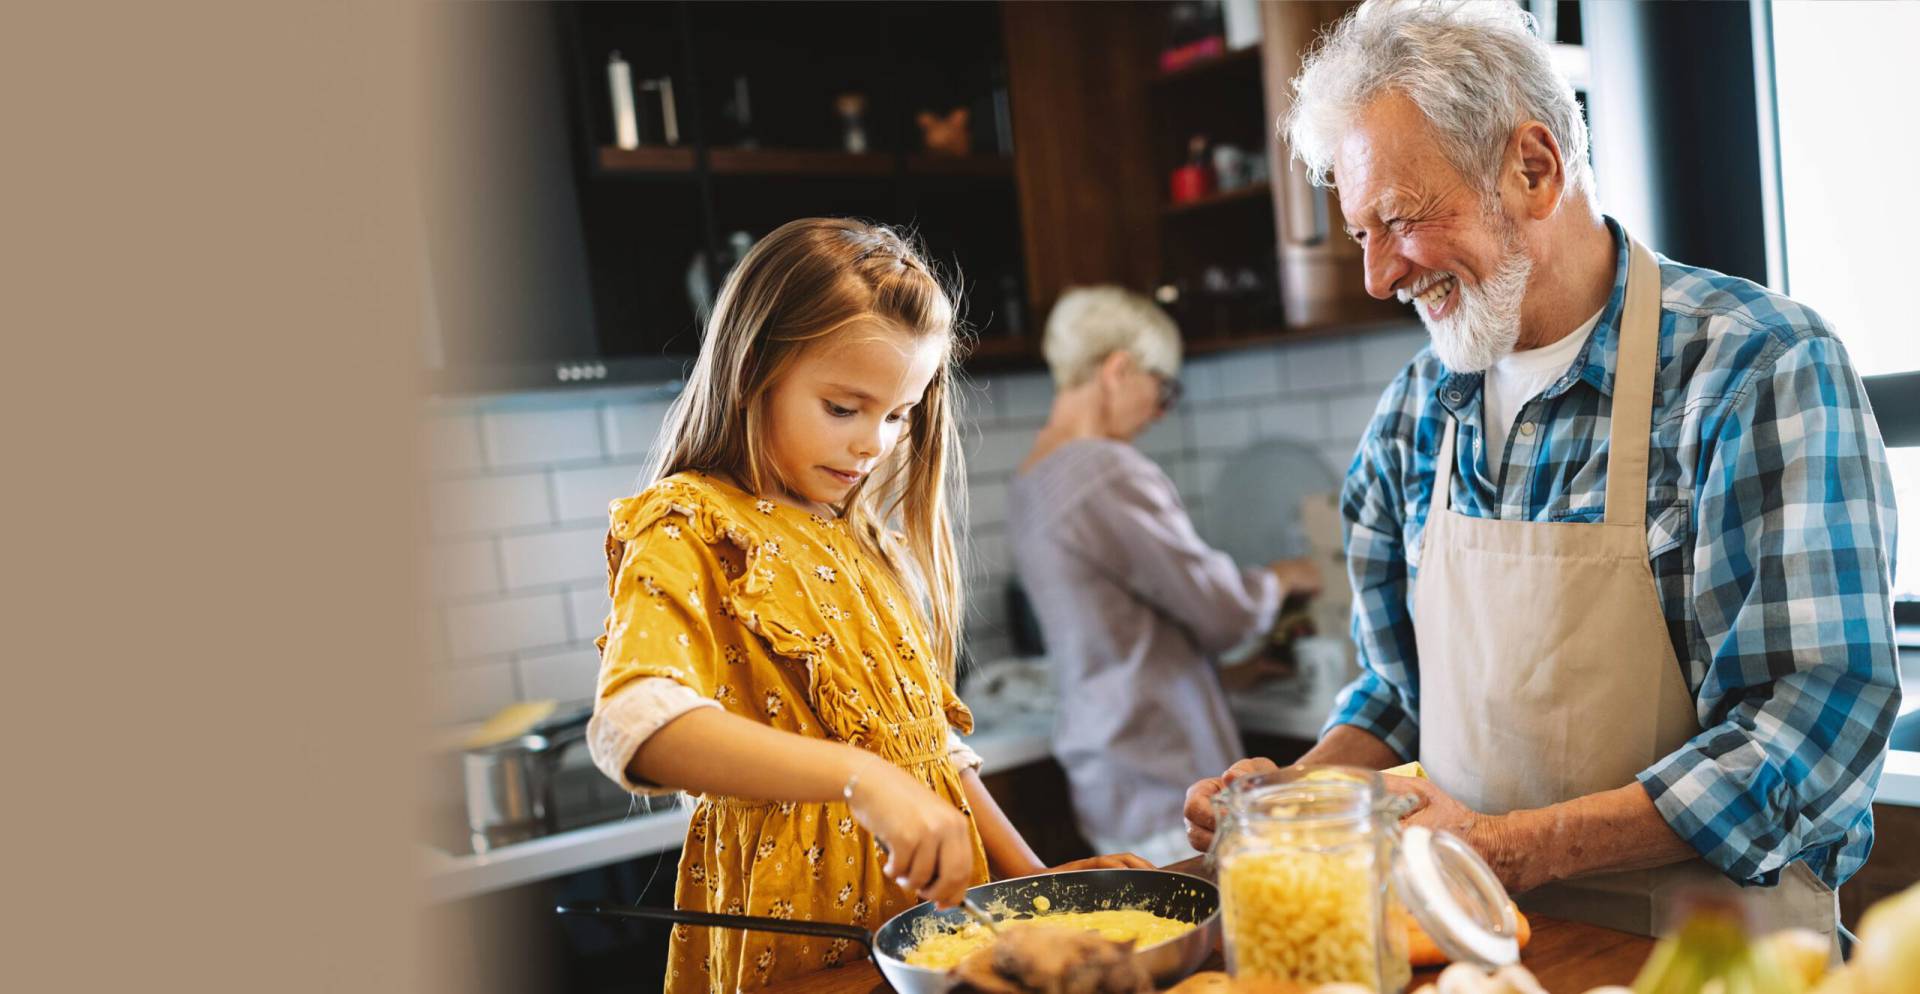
column 1220, row 65
column 1260, row 192
column 647, row 159
column 797, row 162
column 662, row 159
column 926, row 164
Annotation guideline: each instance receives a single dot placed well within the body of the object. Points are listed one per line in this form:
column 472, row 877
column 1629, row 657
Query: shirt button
column 1526, row 428
column 1454, row 396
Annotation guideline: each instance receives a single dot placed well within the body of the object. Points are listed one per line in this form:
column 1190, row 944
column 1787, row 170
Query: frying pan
column 1179, row 896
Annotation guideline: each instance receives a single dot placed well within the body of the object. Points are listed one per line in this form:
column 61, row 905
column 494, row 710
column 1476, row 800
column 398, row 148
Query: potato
column 1887, row 957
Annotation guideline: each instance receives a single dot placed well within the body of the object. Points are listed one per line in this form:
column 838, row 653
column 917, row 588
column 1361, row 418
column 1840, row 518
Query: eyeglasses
column 1170, row 390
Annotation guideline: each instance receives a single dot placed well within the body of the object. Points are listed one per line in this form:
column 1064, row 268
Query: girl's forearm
column 1008, row 854
column 710, row 751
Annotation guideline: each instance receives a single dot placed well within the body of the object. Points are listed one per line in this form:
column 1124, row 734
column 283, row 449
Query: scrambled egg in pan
column 945, row 950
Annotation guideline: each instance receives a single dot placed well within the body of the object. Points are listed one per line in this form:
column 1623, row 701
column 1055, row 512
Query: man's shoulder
column 1725, row 330
column 1708, row 305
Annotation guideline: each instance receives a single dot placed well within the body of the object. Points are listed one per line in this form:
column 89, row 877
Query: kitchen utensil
column 509, row 782
column 1179, row 896
column 979, row 914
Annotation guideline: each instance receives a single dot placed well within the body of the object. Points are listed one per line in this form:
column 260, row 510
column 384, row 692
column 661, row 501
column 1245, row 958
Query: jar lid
column 1456, row 898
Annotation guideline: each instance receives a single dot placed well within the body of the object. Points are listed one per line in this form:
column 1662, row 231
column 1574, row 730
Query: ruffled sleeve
column 665, row 577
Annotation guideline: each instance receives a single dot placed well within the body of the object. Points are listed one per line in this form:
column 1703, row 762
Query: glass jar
column 1313, row 868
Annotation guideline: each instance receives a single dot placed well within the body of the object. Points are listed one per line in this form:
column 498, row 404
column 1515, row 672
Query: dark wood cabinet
column 1893, row 866
column 1099, row 130
column 1089, row 199
column 1076, row 130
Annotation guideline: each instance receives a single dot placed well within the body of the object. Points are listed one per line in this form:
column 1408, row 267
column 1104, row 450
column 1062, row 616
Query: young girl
column 774, row 646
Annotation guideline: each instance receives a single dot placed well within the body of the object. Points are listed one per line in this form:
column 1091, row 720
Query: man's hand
column 1487, row 834
column 1199, row 809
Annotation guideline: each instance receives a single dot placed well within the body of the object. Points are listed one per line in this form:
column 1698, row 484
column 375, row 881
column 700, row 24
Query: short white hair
column 1476, row 70
column 1088, row 324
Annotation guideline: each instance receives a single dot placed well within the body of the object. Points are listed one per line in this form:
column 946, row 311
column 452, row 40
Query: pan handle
column 754, row 923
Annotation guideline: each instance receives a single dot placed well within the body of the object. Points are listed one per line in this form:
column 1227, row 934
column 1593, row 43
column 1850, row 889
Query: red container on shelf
column 1192, row 182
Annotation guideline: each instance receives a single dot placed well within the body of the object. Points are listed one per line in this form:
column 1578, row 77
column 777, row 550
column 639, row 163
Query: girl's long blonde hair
column 807, row 280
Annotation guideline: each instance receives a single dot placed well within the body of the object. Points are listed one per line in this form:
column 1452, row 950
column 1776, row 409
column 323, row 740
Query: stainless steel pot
column 509, row 785
column 1179, row 896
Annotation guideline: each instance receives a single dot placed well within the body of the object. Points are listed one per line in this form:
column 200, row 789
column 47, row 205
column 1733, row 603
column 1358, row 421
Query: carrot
column 1423, row 951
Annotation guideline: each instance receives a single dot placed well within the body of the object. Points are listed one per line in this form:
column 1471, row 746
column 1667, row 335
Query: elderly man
column 1621, row 539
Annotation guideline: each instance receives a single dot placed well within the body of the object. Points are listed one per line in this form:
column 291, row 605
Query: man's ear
column 1115, row 367
column 1535, row 160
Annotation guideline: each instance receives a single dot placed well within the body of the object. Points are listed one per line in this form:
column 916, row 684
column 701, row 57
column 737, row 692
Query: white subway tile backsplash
column 1204, row 471
column 998, row 451
column 540, row 645
column 1026, row 397
column 564, row 675
column 1348, row 416
column 1200, row 380
column 572, row 556
column 1250, row 375
column 471, row 693
column 632, row 426
column 1319, row 366
column 490, row 503
column 583, row 494
column 1179, row 469
column 1222, row 428
column 451, row 443
column 1383, row 355
column 463, row 569
column 1165, row 436
column 523, row 437
column 1339, row 455
column 987, row 504
column 587, row 612
column 507, row 625
column 1299, row 419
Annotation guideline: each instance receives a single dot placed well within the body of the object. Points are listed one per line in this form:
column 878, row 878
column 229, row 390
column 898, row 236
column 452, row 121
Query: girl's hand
column 929, row 849
column 1116, row 861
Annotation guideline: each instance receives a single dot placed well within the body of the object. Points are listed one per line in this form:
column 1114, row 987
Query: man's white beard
column 1485, row 322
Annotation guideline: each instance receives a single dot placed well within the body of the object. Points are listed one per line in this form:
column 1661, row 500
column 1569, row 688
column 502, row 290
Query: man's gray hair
column 1475, row 69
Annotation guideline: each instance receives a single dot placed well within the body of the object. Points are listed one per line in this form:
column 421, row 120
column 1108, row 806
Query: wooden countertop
column 1567, row 958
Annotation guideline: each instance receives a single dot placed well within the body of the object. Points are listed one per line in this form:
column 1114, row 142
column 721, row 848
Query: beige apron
column 1546, row 671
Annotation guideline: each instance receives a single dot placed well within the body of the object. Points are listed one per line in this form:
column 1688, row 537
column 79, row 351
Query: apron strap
column 1633, row 370
column 1631, row 422
column 1442, row 496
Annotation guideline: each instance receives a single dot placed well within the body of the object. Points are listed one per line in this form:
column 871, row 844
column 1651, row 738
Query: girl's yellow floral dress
column 777, row 615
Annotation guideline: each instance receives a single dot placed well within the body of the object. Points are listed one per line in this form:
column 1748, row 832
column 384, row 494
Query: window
column 1848, row 149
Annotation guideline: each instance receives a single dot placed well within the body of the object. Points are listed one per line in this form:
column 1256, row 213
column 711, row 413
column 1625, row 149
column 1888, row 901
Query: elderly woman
column 1133, row 606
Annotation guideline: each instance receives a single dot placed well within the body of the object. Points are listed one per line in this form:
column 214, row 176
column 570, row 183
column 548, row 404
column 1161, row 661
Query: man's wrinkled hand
column 1199, row 808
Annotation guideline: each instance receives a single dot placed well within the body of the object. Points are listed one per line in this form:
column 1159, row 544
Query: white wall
column 520, row 485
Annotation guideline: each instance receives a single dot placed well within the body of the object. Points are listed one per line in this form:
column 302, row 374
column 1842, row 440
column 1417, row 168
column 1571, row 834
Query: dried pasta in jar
column 1306, row 915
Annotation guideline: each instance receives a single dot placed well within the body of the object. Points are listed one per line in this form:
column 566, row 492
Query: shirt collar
column 1457, row 392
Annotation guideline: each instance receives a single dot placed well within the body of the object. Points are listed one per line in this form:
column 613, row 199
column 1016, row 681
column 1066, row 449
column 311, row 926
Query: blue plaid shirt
column 1770, row 527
